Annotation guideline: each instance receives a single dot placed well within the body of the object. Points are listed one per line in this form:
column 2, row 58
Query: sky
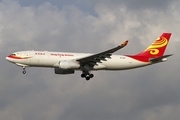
column 89, row 26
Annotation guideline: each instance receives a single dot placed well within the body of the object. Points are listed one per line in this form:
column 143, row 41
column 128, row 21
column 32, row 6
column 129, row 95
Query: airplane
column 68, row 63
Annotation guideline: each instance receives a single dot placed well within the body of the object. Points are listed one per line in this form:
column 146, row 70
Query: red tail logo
column 157, row 48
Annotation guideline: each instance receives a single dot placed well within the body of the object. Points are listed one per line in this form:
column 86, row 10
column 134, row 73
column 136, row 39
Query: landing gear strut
column 87, row 75
column 24, row 71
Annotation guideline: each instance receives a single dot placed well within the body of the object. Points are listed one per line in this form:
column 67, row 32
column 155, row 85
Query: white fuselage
column 67, row 63
column 52, row 59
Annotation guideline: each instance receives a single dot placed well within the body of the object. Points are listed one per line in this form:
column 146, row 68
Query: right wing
column 93, row 59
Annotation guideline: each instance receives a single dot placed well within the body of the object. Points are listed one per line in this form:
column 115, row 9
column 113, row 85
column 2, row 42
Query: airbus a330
column 68, row 63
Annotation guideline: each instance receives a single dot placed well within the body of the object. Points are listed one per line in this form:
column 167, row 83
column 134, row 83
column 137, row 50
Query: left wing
column 93, row 59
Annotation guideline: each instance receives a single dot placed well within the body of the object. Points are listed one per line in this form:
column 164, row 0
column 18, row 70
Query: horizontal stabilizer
column 159, row 59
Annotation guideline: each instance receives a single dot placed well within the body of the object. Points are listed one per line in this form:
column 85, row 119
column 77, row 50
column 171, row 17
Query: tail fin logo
column 159, row 43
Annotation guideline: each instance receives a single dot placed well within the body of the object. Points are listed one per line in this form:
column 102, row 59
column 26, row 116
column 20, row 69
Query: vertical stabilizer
column 157, row 48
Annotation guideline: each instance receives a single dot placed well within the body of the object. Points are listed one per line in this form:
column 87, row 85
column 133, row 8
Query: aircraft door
column 44, row 61
column 25, row 55
column 34, row 60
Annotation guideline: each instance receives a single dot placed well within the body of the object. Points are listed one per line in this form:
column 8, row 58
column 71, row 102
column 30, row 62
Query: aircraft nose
column 7, row 58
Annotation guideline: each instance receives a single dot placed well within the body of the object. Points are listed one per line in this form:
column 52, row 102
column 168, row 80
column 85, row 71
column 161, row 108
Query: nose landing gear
column 87, row 75
column 24, row 71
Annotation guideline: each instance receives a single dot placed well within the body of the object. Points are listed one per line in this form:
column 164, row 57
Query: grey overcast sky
column 149, row 93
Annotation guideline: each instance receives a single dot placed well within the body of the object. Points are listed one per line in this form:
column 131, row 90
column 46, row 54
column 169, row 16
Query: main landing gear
column 87, row 75
column 24, row 71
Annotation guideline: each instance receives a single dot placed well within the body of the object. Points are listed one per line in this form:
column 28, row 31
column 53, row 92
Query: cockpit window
column 13, row 54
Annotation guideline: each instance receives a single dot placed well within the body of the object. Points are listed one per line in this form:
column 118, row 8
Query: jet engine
column 63, row 71
column 69, row 65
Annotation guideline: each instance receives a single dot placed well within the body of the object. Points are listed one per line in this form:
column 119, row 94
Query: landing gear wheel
column 87, row 75
column 87, row 78
column 83, row 75
column 24, row 72
column 91, row 75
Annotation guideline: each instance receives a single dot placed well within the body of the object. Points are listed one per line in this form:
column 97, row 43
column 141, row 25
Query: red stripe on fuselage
column 17, row 57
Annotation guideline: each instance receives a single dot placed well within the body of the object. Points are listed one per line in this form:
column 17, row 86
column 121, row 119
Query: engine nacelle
column 63, row 71
column 69, row 65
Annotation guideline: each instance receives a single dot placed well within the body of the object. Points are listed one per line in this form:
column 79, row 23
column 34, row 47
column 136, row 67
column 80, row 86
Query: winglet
column 125, row 43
